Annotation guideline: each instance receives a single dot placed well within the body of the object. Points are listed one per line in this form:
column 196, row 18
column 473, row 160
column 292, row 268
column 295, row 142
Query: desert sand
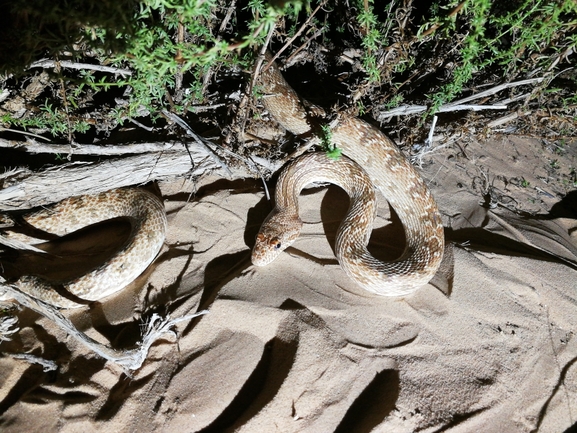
column 297, row 347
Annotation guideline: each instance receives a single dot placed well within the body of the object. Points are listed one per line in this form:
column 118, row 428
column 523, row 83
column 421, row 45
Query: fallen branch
column 46, row 63
column 73, row 179
column 30, row 134
column 131, row 359
column 33, row 146
column 502, row 120
column 461, row 107
column 460, row 104
column 494, row 90
column 46, row 364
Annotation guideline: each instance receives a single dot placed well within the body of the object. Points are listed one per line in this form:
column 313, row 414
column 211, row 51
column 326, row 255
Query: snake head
column 274, row 237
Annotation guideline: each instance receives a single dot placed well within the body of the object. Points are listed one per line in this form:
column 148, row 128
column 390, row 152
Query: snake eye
column 277, row 246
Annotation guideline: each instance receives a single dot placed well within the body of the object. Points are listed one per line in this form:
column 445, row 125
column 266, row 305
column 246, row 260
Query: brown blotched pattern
column 389, row 171
column 147, row 216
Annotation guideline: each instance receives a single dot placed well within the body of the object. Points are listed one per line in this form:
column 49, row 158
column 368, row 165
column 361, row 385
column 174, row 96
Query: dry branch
column 496, row 89
column 130, row 359
column 47, row 63
column 152, row 162
column 33, row 146
column 72, row 179
column 460, row 104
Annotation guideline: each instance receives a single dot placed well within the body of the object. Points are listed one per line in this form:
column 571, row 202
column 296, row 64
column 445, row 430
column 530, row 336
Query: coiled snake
column 388, row 170
column 148, row 220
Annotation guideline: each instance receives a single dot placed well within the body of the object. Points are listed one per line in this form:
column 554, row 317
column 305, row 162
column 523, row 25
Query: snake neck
column 319, row 168
column 283, row 102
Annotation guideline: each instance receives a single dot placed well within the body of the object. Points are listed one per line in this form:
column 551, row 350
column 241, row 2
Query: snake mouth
column 266, row 249
column 256, row 261
column 260, row 259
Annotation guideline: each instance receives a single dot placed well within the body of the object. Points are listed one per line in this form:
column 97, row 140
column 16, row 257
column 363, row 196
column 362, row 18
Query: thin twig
column 259, row 61
column 297, row 34
column 65, row 103
column 176, row 119
column 304, row 45
column 241, row 115
column 208, row 144
column 227, row 17
column 202, row 108
column 207, row 76
column 23, row 133
column 502, row 120
column 403, row 110
column 179, row 75
column 429, row 140
column 436, row 26
column 140, row 125
column 495, row 89
column 514, row 99
column 46, row 63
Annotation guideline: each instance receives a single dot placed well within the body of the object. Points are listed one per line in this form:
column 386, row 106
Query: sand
column 297, row 347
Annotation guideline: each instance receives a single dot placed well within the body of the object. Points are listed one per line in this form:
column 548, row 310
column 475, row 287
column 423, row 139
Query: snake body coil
column 148, row 221
column 388, row 170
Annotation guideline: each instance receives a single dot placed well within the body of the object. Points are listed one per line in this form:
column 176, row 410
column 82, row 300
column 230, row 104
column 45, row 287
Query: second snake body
column 147, row 216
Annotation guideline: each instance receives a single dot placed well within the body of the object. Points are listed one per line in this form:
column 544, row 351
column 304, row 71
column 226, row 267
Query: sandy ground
column 297, row 347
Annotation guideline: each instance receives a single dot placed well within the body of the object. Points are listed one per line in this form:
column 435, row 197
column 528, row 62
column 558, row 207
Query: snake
column 147, row 217
column 368, row 156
